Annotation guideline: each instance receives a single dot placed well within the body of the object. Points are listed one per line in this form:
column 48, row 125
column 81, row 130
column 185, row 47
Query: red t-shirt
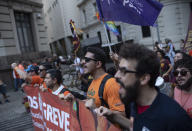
column 190, row 52
column 141, row 109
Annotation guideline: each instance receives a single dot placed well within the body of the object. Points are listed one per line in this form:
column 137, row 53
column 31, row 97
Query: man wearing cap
column 34, row 78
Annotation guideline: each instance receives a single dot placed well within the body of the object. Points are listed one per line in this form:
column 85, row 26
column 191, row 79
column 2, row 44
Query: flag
column 76, row 41
column 97, row 15
column 111, row 26
column 137, row 12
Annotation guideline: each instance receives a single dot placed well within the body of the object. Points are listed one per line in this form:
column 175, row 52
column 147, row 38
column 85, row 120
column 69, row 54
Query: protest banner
column 50, row 113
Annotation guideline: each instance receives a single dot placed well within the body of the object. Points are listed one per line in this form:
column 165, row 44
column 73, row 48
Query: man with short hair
column 53, row 81
column 180, row 55
column 183, row 90
column 151, row 110
column 94, row 64
column 43, row 68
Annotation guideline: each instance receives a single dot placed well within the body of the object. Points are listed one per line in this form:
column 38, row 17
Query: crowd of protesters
column 145, row 90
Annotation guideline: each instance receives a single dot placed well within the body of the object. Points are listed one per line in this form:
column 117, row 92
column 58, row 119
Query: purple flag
column 137, row 12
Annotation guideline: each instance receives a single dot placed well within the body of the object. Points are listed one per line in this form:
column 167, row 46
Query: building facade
column 172, row 23
column 22, row 33
column 58, row 14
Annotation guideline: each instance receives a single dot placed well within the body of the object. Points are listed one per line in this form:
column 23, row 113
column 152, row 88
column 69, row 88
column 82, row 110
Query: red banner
column 50, row 113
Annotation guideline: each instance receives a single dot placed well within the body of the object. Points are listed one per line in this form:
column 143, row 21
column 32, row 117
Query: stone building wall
column 10, row 46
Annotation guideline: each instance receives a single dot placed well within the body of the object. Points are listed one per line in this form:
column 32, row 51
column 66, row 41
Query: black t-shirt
column 163, row 115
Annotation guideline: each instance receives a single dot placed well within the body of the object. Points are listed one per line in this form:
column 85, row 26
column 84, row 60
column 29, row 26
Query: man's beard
column 132, row 92
column 186, row 86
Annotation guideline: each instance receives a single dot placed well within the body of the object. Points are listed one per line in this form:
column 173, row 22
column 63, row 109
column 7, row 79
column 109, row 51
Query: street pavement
column 13, row 116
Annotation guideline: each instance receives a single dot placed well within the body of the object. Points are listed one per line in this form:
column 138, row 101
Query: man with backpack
column 103, row 90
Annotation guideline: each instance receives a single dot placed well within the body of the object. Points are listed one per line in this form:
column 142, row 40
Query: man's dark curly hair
column 147, row 60
column 184, row 55
column 55, row 74
column 99, row 54
column 161, row 52
column 185, row 63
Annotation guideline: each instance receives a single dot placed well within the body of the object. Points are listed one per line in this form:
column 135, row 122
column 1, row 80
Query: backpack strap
column 101, row 90
column 63, row 90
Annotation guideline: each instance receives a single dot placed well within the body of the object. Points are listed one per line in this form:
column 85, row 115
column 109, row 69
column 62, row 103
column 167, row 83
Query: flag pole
column 158, row 35
column 108, row 42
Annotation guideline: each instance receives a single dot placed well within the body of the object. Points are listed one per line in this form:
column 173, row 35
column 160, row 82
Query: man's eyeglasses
column 182, row 73
column 124, row 70
column 89, row 59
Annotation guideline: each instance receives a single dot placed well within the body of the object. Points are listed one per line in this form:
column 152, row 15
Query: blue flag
column 137, row 12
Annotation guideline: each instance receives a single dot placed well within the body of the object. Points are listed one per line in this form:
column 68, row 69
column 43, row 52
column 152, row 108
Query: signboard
column 50, row 113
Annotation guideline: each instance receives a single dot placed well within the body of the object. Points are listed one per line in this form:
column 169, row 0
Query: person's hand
column 111, row 54
column 164, row 75
column 23, row 85
column 43, row 89
column 103, row 111
column 68, row 97
column 90, row 104
column 114, row 56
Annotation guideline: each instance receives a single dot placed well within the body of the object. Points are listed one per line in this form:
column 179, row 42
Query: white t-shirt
column 58, row 90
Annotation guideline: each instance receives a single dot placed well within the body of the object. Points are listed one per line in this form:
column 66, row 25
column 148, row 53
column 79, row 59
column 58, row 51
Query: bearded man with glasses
column 183, row 90
column 151, row 110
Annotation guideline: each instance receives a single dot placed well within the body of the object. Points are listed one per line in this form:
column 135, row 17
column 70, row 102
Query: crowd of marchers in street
column 148, row 90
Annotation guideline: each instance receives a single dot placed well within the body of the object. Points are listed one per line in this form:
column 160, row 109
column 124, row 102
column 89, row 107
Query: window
column 87, row 35
column 99, row 36
column 119, row 37
column 24, row 32
column 146, row 31
column 109, row 36
column 84, row 15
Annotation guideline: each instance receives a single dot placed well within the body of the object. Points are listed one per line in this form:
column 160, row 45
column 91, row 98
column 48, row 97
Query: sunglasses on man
column 89, row 59
column 182, row 73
